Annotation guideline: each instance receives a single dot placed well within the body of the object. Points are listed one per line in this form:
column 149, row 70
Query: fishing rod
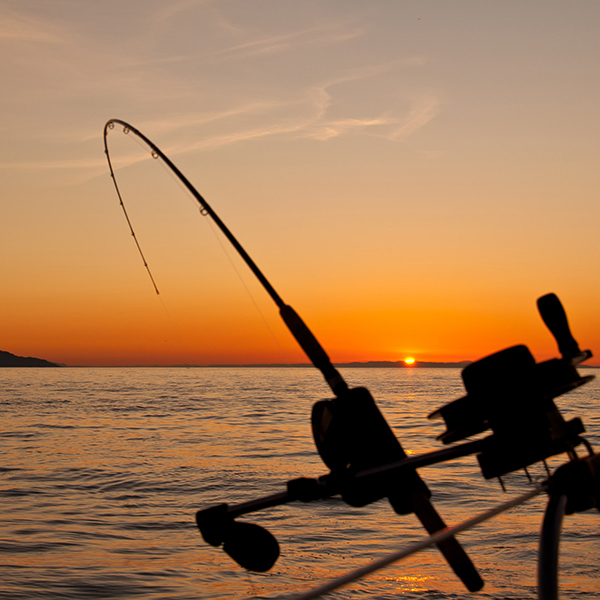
column 508, row 393
column 295, row 324
column 349, row 431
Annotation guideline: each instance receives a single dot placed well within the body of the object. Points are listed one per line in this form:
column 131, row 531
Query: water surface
column 104, row 469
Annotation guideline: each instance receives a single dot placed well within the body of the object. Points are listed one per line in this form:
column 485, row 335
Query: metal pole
column 549, row 543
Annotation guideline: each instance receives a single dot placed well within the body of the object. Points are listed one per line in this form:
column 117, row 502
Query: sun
column 409, row 361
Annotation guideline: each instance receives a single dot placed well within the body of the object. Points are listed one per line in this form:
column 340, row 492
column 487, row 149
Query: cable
column 417, row 546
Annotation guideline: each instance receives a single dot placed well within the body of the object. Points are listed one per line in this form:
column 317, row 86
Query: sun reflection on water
column 409, row 583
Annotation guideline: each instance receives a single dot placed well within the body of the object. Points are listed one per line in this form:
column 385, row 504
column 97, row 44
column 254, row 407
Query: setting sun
column 409, row 361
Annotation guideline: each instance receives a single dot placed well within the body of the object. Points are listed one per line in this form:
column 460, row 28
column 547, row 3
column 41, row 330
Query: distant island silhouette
column 12, row 360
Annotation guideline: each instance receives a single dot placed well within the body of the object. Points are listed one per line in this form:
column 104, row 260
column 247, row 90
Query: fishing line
column 443, row 535
column 227, row 254
column 174, row 327
column 110, row 125
column 248, row 291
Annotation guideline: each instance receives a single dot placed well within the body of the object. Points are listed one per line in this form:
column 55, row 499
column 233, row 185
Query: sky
column 410, row 176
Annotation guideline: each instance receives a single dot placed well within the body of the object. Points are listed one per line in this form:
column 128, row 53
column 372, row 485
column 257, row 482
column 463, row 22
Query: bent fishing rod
column 349, row 431
column 295, row 324
column 508, row 392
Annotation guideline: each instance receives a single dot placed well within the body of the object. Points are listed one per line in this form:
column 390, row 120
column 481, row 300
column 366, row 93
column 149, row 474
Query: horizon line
column 381, row 364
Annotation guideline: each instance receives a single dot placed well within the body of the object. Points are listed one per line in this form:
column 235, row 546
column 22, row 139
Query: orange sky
column 409, row 176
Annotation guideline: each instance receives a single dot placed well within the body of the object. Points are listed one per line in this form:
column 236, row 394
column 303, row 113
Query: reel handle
column 554, row 316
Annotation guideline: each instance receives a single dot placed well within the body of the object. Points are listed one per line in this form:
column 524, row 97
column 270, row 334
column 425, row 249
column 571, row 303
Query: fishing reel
column 351, row 436
column 511, row 394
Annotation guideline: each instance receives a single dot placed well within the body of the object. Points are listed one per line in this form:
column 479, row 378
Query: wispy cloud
column 326, row 34
column 169, row 124
column 424, row 110
column 330, row 129
column 188, row 103
column 174, row 8
column 52, row 165
column 16, row 27
column 309, row 114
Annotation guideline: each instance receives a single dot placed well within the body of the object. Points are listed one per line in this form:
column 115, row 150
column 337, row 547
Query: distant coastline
column 12, row 360
column 385, row 364
column 371, row 364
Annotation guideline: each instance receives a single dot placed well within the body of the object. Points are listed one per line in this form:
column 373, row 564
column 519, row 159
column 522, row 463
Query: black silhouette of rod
column 295, row 324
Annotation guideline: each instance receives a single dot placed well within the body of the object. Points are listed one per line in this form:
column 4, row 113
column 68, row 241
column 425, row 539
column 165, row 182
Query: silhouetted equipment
column 579, row 481
column 251, row 546
column 511, row 394
column 507, row 392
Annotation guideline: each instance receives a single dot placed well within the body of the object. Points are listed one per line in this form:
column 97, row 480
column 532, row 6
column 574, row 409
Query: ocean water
column 103, row 470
